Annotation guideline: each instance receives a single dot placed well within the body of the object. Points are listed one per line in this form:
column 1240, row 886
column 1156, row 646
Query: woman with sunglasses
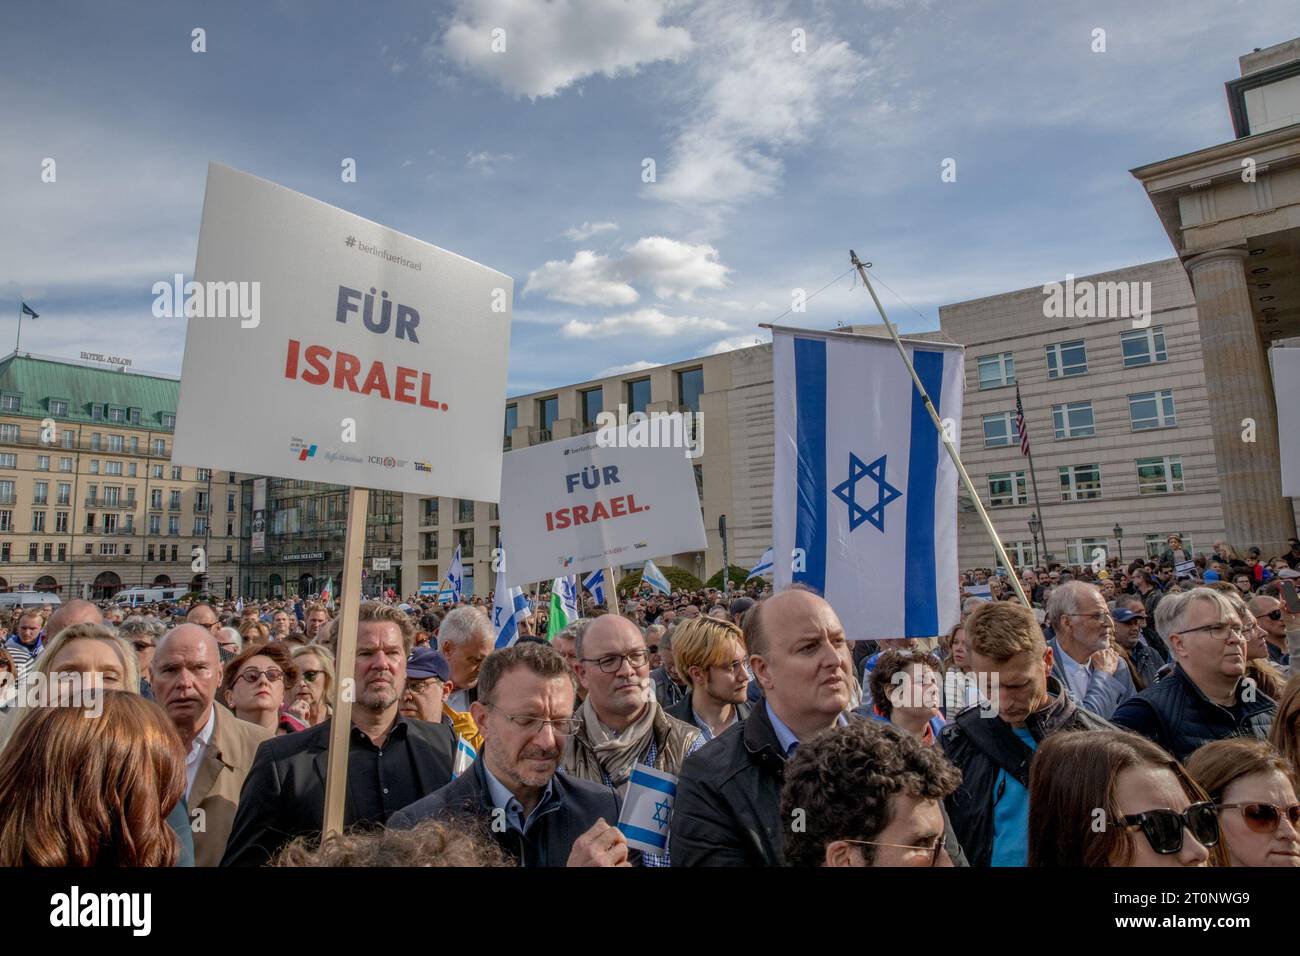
column 313, row 694
column 255, row 683
column 1112, row 798
column 1254, row 792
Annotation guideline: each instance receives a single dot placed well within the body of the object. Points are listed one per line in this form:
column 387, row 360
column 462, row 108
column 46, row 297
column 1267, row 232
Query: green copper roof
column 38, row 380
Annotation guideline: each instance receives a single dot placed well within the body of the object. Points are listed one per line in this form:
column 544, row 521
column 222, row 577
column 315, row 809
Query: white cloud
column 671, row 268
column 587, row 230
column 737, row 342
column 485, row 162
column 624, row 369
column 551, row 45
column 589, row 279
column 751, row 98
column 648, row 322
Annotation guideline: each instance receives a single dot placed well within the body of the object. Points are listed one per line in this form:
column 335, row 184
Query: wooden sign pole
column 354, row 549
column 612, row 603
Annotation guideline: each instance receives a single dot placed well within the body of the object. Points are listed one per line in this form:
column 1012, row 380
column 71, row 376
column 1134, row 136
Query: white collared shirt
column 1077, row 676
column 201, row 741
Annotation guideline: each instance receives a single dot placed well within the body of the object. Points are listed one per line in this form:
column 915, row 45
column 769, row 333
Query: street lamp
column 1034, row 525
column 1119, row 539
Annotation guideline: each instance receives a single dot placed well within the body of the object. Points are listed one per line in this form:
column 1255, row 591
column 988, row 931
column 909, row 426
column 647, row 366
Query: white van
column 134, row 597
column 13, row 599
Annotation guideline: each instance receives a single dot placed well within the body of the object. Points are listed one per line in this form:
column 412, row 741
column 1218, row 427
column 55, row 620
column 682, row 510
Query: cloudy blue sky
column 770, row 163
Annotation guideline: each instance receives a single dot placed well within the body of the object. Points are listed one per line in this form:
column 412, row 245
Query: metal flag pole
column 943, row 435
column 18, row 338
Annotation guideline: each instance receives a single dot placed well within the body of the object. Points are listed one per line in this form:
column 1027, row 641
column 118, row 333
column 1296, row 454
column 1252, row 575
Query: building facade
column 90, row 502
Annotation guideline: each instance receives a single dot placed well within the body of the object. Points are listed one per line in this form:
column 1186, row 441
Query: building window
column 61, row 522
column 230, row 529
column 174, row 503
column 7, row 496
column 1066, row 358
column 31, row 552
column 229, row 553
column 1151, row 410
column 200, row 526
column 548, row 410
column 65, row 464
column 65, row 493
column 94, row 466
column 116, row 414
column 1157, row 543
column 591, row 403
column 92, row 496
column 9, row 433
column 63, row 552
column 41, row 493
column 201, row 501
column 108, row 548
column 1080, row 482
column 1000, row 430
column 174, row 525
column 430, row 510
column 115, row 444
column 1021, row 553
column 203, row 474
column 465, row 541
column 156, row 472
column 169, row 422
column 133, row 416
column 96, row 415
column 1073, row 420
column 112, row 495
column 230, row 502
column 112, row 468
column 5, row 551
column 159, row 446
column 42, row 462
column 1160, row 476
column 96, row 441
column 10, row 402
column 997, row 370
column 176, row 472
column 1007, row 488
column 47, row 553
column 90, row 548
column 464, row 510
column 58, row 407
column 6, row 521
column 230, row 478
column 638, row 395
column 38, row 521
column 155, row 498
column 150, row 553
column 1143, row 346
column 69, row 439
column 130, row 469
column 110, row 524
column 155, row 524
column 1083, row 551
column 173, row 552
column 690, row 386
column 8, row 460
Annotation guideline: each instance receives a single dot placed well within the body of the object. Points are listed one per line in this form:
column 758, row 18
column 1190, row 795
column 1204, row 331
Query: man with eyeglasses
column 867, row 794
column 204, row 616
column 1205, row 697
column 392, row 760
column 1082, row 658
column 219, row 747
column 621, row 723
column 540, row 817
column 711, row 656
column 428, row 684
column 1281, row 628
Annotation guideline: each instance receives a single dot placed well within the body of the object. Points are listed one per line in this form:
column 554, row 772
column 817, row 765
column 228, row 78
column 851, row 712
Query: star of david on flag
column 648, row 808
column 864, row 496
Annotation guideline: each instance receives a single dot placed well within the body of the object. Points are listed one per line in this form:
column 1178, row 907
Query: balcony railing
column 104, row 504
column 8, row 499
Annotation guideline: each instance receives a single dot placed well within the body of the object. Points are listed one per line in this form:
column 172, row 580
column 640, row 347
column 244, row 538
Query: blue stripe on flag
column 810, row 460
column 633, row 832
column 921, row 606
column 653, row 783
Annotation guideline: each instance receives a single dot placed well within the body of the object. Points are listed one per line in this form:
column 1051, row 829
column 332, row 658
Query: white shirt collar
column 201, row 741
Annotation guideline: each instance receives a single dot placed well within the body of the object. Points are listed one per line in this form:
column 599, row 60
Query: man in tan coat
column 219, row 747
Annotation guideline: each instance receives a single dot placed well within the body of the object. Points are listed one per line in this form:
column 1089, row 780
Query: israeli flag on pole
column 455, row 576
column 508, row 605
column 647, row 809
column 465, row 757
column 864, row 496
column 595, row 583
column 655, row 578
column 764, row 565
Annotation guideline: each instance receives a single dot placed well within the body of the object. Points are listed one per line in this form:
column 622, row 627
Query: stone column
column 1240, row 387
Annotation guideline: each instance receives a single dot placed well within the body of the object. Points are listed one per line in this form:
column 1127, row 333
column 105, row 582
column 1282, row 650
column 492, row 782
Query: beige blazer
column 215, row 793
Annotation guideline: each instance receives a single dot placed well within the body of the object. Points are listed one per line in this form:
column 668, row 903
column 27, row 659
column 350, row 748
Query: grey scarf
column 618, row 752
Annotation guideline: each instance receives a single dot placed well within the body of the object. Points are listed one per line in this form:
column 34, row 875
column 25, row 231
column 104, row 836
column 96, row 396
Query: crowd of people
column 1131, row 716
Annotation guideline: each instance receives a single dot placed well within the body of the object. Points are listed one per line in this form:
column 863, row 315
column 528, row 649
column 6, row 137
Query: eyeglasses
column 1264, row 817
column 310, row 676
column 1274, row 615
column 1101, row 617
column 613, row 663
column 563, row 726
column 418, row 686
column 253, row 675
column 934, row 849
column 1219, row 631
column 736, row 668
column 141, row 646
column 1164, row 828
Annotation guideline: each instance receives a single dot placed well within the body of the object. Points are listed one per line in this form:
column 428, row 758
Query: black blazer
column 551, row 837
column 284, row 793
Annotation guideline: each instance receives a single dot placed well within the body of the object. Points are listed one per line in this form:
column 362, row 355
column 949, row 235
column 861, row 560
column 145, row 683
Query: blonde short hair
column 999, row 630
column 93, row 632
column 703, row 642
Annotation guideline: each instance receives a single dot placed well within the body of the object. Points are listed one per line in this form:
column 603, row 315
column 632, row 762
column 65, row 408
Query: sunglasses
column 253, row 675
column 1264, row 817
column 141, row 646
column 310, row 676
column 1274, row 615
column 1164, row 828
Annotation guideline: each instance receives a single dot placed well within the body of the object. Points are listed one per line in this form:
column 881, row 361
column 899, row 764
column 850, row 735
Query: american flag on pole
column 1020, row 425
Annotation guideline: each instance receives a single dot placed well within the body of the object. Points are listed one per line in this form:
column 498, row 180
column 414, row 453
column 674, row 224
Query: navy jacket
column 551, row 835
column 1177, row 715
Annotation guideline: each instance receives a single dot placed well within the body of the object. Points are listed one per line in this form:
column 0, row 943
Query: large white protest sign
column 368, row 358
column 572, row 505
column 1286, row 387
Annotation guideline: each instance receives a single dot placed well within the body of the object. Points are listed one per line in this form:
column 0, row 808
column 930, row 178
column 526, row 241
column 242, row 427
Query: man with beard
column 393, row 760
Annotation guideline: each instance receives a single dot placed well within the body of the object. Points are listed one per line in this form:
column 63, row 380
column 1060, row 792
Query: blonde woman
column 312, row 696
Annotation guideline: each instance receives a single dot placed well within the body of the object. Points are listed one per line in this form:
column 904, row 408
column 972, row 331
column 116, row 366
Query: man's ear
column 1047, row 658
column 843, row 853
column 759, row 666
column 479, row 712
column 580, row 669
column 230, row 699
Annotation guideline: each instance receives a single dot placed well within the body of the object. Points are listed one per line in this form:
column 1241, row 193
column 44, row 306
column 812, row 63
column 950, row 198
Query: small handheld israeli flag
column 465, row 757
column 455, row 576
column 647, row 809
column 595, row 583
column 508, row 606
column 764, row 565
column 655, row 578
